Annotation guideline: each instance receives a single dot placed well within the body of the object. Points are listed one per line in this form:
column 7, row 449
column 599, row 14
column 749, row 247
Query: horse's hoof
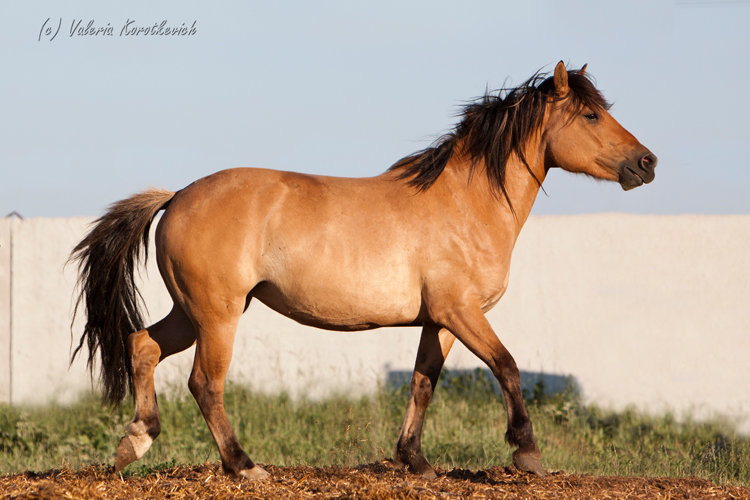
column 418, row 465
column 130, row 449
column 422, row 467
column 428, row 473
column 125, row 454
column 257, row 473
column 529, row 461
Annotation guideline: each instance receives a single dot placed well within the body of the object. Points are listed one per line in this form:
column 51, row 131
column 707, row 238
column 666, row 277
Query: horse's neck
column 521, row 186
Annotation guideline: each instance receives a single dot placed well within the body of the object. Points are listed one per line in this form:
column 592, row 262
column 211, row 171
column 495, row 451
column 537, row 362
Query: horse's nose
column 648, row 162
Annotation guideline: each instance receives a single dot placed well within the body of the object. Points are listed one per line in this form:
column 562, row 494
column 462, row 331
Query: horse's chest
column 492, row 288
column 486, row 260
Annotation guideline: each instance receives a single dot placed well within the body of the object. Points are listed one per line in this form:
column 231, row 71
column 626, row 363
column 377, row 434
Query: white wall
column 650, row 311
column 5, row 322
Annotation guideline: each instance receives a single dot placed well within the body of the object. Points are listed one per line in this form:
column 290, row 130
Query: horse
column 427, row 243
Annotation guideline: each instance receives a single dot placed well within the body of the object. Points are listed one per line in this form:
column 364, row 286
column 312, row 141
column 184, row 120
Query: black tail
column 107, row 258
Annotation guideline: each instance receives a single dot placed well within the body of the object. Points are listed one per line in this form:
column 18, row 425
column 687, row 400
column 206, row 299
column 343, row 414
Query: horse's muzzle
column 633, row 173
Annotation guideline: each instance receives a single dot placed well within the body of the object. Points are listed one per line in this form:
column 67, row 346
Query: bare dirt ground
column 377, row 480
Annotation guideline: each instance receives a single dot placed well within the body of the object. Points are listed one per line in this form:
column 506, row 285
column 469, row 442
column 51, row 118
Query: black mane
column 494, row 127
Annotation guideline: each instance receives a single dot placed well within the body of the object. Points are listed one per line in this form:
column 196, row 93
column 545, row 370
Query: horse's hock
column 575, row 306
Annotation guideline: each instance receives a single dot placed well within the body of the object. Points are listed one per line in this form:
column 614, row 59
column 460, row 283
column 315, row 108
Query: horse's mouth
column 631, row 178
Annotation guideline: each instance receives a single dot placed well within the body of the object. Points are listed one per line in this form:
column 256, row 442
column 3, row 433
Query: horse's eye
column 592, row 117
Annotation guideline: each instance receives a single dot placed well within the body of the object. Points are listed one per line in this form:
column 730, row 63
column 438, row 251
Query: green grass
column 465, row 427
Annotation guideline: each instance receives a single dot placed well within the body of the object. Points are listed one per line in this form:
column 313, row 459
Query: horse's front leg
column 434, row 346
column 465, row 319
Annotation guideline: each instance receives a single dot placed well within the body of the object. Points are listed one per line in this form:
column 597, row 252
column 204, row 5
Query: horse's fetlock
column 521, row 435
column 150, row 427
column 407, row 449
column 137, row 428
column 154, row 429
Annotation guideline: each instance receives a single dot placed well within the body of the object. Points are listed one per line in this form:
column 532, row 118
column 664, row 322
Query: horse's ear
column 582, row 71
column 561, row 80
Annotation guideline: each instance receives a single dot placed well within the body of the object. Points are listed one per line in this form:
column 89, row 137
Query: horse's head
column 583, row 137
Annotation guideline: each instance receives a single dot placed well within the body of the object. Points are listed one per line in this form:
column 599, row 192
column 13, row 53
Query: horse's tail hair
column 107, row 259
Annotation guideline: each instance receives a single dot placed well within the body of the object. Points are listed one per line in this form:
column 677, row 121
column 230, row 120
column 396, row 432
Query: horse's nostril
column 648, row 162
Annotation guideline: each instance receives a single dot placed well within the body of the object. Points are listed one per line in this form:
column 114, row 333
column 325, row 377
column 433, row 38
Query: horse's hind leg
column 434, row 346
column 212, row 356
column 147, row 347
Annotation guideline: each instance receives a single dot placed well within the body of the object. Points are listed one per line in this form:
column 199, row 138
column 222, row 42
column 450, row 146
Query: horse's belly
column 335, row 306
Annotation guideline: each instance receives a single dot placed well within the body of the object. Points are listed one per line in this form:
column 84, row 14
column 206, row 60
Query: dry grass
column 377, row 480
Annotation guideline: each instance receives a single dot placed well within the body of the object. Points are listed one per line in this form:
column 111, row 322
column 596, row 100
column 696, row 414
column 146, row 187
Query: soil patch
column 377, row 480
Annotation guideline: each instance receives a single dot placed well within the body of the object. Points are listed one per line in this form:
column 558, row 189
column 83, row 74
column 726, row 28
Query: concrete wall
column 5, row 319
column 650, row 311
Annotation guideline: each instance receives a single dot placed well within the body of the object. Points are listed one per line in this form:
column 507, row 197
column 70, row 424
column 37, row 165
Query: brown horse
column 428, row 243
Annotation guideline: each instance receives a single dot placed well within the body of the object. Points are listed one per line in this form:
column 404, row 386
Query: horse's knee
column 203, row 388
column 503, row 365
column 196, row 384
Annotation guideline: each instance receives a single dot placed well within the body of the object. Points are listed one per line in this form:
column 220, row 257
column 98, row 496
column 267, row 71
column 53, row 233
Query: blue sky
column 347, row 88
